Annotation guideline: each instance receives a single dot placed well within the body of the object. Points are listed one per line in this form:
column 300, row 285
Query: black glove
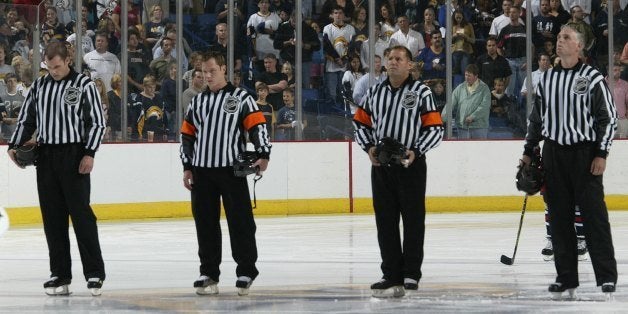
column 390, row 152
column 26, row 155
column 530, row 178
column 243, row 166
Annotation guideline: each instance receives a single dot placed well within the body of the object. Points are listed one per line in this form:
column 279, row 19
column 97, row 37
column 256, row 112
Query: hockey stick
column 505, row 259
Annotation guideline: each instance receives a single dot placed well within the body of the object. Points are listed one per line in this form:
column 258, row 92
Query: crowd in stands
column 488, row 54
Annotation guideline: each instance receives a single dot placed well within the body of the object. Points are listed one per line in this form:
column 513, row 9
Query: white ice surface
column 311, row 264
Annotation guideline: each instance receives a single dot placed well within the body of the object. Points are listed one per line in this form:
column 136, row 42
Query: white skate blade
column 582, row 257
column 609, row 296
column 243, row 291
column 570, row 296
column 392, row 292
column 209, row 290
column 95, row 291
column 58, row 291
column 548, row 258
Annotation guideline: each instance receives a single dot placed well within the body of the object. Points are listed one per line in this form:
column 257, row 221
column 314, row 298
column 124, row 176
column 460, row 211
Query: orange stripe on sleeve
column 254, row 119
column 188, row 128
column 431, row 119
column 362, row 117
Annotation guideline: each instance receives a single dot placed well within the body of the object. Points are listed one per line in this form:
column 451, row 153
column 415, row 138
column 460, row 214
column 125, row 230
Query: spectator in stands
column 438, row 89
column 101, row 61
column 511, row 43
column 196, row 59
column 159, row 52
column 544, row 26
column 52, row 26
column 4, row 68
column 387, row 20
column 502, row 20
column 578, row 23
column 155, row 27
column 620, row 96
column 492, row 65
column 159, row 66
column 407, row 37
column 147, row 119
column 19, row 65
column 353, row 74
column 86, row 38
column 360, row 24
column 25, row 80
column 275, row 80
column 471, row 103
column 544, row 64
column 288, row 70
column 107, row 27
column 222, row 11
column 265, row 107
column 10, row 104
column 222, row 43
column 585, row 6
column 197, row 86
column 501, row 103
column 549, row 49
column 287, row 123
column 100, row 88
column 336, row 38
column 114, row 121
column 381, row 44
column 260, row 27
column 137, row 62
column 134, row 18
column 285, row 42
column 463, row 39
column 428, row 25
column 557, row 11
column 364, row 82
column 168, row 93
column 433, row 58
column 327, row 11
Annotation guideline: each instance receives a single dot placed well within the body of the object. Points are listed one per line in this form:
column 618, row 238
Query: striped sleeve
column 93, row 117
column 432, row 131
column 605, row 115
column 254, row 123
column 363, row 122
column 188, row 134
column 26, row 121
column 533, row 135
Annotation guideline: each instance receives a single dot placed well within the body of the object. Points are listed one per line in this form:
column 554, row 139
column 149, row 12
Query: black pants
column 64, row 192
column 399, row 191
column 570, row 182
column 210, row 184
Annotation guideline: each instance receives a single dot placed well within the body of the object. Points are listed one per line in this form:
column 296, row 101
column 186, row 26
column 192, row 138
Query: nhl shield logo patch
column 231, row 105
column 409, row 99
column 581, row 86
column 72, row 96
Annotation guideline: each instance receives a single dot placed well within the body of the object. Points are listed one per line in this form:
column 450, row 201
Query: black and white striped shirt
column 407, row 114
column 572, row 106
column 214, row 126
column 62, row 112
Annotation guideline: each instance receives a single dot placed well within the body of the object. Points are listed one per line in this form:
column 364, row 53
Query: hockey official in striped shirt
column 65, row 109
column 402, row 109
column 212, row 136
column 575, row 116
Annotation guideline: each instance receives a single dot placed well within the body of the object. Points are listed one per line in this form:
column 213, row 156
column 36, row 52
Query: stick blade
column 506, row 260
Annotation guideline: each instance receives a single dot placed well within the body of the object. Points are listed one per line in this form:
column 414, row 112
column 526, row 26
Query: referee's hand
column 12, row 153
column 598, row 166
column 188, row 180
column 372, row 157
column 86, row 165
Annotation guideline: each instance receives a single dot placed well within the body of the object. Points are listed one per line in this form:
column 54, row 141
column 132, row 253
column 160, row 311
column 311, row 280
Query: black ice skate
column 548, row 251
column 95, row 286
column 582, row 250
column 243, row 283
column 205, row 285
column 557, row 290
column 608, row 288
column 56, row 286
column 410, row 284
column 387, row 289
